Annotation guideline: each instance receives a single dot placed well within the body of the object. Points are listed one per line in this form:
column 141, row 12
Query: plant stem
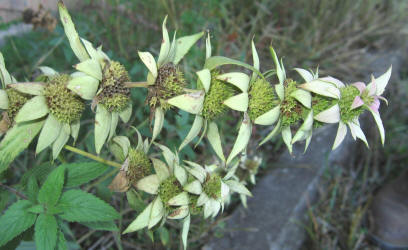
column 14, row 191
column 136, row 84
column 93, row 157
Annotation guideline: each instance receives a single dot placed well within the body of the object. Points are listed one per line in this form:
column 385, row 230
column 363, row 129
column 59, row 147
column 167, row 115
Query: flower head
column 99, row 79
column 164, row 79
column 57, row 105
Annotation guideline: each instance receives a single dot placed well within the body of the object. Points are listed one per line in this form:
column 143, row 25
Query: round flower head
column 212, row 98
column 57, row 105
column 293, row 106
column 350, row 101
column 169, row 184
column 164, row 79
column 98, row 79
column 137, row 163
column 213, row 190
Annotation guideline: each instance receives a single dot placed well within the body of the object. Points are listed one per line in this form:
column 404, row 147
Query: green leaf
column 39, row 171
column 15, row 221
column 79, row 206
column 51, row 190
column 32, row 189
column 45, row 232
column 102, row 225
column 16, row 140
column 37, row 209
column 83, row 172
column 61, row 241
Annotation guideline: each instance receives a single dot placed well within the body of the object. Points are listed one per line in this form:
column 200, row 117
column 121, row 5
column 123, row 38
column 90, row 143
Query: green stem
column 136, row 84
column 93, row 157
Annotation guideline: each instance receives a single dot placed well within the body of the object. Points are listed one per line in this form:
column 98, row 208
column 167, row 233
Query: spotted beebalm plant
column 166, row 186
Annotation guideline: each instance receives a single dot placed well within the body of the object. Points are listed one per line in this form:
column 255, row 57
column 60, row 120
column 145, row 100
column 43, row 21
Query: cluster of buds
column 182, row 188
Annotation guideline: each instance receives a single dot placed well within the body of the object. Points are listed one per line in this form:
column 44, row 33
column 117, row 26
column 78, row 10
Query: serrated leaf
column 61, row 241
column 40, row 172
column 102, row 225
column 51, row 190
column 46, row 230
column 32, row 189
column 79, row 206
column 15, row 221
column 83, row 172
column 16, row 140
